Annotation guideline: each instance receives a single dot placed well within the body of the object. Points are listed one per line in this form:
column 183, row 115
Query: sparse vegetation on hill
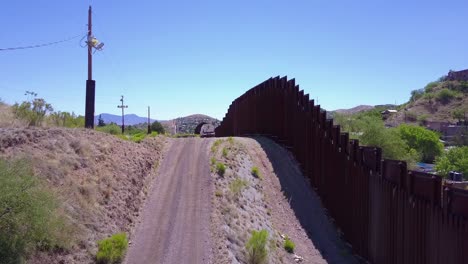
column 30, row 214
column 436, row 101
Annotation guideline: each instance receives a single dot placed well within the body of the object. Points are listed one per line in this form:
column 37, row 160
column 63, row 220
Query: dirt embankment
column 175, row 224
column 102, row 180
column 282, row 207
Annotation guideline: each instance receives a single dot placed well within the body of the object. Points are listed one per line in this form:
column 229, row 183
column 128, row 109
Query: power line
column 41, row 45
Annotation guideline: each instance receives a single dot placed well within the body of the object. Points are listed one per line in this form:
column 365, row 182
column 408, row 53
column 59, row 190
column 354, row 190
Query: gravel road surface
column 175, row 223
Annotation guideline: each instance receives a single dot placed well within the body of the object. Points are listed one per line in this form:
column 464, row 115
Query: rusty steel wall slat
column 387, row 213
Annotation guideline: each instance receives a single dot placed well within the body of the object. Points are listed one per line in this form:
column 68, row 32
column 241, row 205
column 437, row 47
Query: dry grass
column 8, row 119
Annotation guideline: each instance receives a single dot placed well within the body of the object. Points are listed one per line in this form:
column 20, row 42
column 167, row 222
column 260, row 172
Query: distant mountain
column 354, row 110
column 130, row 119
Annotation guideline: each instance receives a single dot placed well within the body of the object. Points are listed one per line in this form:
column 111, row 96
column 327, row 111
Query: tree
column 369, row 128
column 156, row 126
column 456, row 159
column 101, row 122
column 424, row 141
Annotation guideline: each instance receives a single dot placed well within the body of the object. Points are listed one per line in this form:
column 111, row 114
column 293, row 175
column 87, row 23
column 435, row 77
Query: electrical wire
column 41, row 45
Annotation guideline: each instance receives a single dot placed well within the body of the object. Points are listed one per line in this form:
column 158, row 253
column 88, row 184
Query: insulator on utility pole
column 123, row 113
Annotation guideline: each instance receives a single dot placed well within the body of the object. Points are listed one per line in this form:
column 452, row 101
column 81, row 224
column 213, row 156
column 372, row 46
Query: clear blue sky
column 186, row 57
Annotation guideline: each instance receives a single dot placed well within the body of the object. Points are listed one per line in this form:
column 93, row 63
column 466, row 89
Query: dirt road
column 175, row 223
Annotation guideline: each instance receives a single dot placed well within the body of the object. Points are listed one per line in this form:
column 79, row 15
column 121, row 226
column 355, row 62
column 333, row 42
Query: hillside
column 187, row 125
column 354, row 110
column 436, row 102
column 101, row 180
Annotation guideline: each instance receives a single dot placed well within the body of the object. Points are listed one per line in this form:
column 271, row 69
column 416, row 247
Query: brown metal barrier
column 387, row 213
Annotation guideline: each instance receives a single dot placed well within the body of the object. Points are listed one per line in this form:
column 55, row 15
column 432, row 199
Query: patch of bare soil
column 267, row 203
column 175, row 223
column 102, row 180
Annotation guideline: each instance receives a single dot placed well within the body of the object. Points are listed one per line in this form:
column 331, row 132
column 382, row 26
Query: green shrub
column 215, row 145
column 456, row 159
column 446, row 95
column 154, row 134
column 220, row 168
column 157, row 127
column 30, row 218
column 289, row 245
column 113, row 249
column 231, row 140
column 430, row 87
column 225, row 152
column 138, row 137
column 112, row 129
column 416, row 94
column 257, row 247
column 256, row 172
column 213, row 161
column 237, row 185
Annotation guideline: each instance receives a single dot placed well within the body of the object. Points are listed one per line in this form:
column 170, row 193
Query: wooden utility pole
column 90, row 83
column 123, row 113
column 149, row 124
column 90, row 48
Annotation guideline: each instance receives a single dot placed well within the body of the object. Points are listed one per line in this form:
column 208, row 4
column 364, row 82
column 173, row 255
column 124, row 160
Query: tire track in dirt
column 175, row 223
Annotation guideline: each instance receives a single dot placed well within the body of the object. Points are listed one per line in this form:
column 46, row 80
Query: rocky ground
column 262, row 203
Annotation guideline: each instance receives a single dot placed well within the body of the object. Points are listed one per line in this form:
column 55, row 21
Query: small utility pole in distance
column 123, row 107
column 149, row 125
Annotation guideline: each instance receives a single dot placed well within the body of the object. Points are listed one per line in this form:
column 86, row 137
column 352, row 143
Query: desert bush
column 289, row 245
column 220, row 169
column 446, row 95
column 225, row 152
column 213, row 161
column 430, row 87
column 236, row 186
column 255, row 172
column 30, row 216
column 113, row 249
column 33, row 112
column 257, row 252
column 215, row 145
column 65, row 119
column 231, row 140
